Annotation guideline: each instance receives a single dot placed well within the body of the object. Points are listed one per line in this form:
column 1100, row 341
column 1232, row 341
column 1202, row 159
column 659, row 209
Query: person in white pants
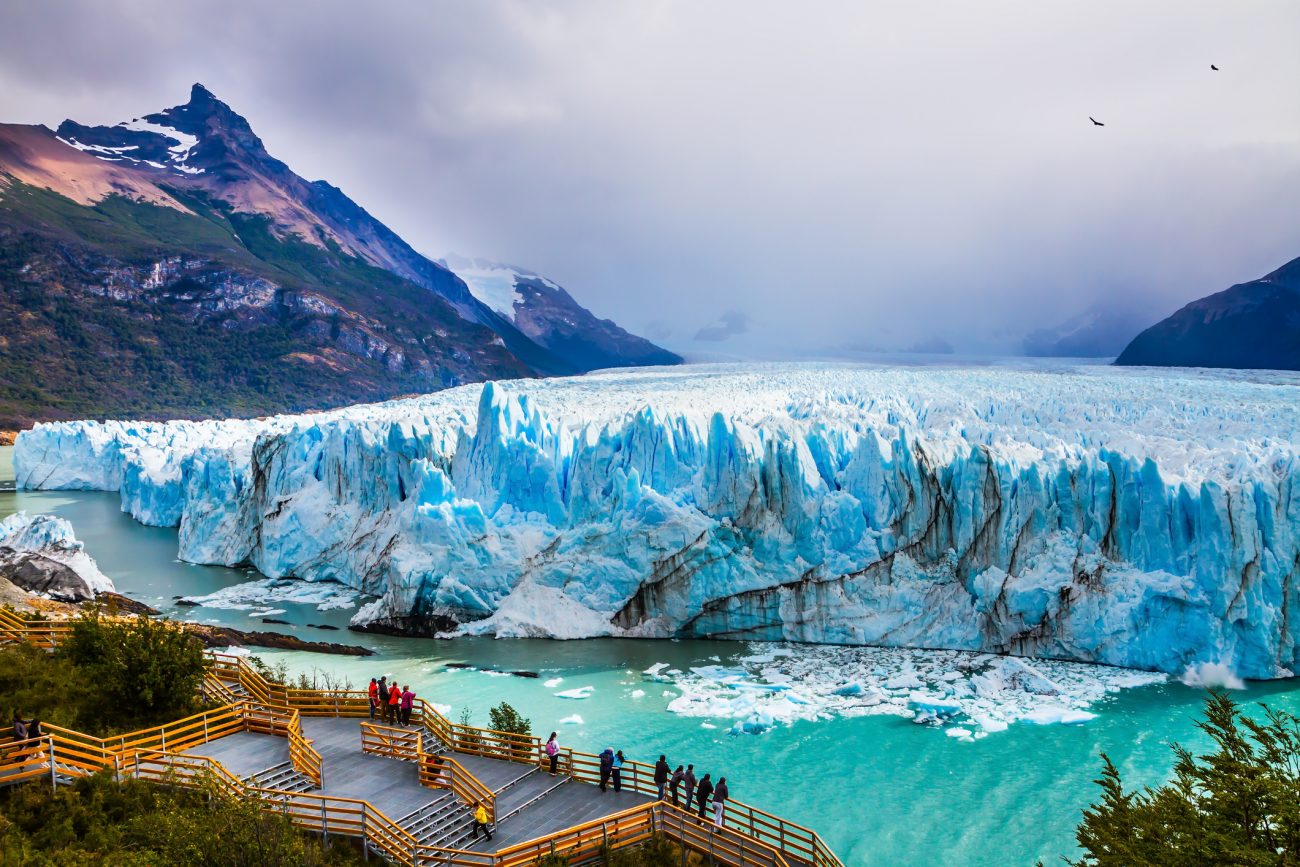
column 719, row 800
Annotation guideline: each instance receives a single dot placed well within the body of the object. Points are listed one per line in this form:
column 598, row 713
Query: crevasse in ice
column 1125, row 516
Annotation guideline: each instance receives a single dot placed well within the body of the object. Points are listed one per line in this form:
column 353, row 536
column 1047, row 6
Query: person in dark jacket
column 662, row 772
column 689, row 779
column 719, row 801
column 702, row 794
column 381, row 693
column 678, row 776
column 606, row 767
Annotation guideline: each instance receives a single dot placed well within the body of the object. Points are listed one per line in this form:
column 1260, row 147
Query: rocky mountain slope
column 1250, row 325
column 1102, row 331
column 169, row 266
column 549, row 316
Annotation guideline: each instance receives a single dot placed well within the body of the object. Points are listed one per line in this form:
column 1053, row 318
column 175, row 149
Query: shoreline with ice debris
column 969, row 695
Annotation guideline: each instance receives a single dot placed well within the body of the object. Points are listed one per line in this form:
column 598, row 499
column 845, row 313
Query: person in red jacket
column 374, row 697
column 394, row 703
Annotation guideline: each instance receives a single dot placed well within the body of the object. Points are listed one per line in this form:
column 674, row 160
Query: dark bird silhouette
column 1215, row 68
column 1095, row 121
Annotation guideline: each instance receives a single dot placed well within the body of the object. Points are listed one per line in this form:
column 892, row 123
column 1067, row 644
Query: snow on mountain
column 547, row 314
column 491, row 283
column 1131, row 517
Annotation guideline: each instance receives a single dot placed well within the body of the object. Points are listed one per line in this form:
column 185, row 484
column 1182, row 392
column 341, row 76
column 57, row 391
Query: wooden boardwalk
column 530, row 802
column 407, row 791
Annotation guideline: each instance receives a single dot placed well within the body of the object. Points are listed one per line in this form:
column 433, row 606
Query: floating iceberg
column 1132, row 517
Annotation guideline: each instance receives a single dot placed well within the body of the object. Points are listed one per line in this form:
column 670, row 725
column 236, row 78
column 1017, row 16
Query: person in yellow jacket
column 481, row 821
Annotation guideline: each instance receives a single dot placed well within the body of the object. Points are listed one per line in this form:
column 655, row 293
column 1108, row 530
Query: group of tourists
column 391, row 703
column 698, row 794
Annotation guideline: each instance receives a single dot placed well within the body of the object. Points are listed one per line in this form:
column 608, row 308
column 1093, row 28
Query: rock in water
column 42, row 555
column 1133, row 517
column 50, row 578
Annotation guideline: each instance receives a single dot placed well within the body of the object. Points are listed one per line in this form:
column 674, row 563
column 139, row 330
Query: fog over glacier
column 1124, row 516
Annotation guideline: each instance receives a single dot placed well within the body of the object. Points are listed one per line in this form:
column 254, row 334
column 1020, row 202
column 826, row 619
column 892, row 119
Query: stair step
column 534, row 799
column 517, row 780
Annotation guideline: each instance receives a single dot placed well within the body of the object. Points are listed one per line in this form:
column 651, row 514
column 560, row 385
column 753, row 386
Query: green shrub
column 99, row 821
column 1238, row 805
column 142, row 670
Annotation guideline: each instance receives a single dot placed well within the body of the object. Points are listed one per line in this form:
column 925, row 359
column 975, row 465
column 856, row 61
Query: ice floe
column 579, row 693
column 958, row 691
column 251, row 595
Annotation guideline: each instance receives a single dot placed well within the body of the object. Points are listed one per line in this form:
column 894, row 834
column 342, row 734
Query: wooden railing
column 302, row 754
column 25, row 760
column 395, row 743
column 40, row 633
column 637, row 825
column 444, row 772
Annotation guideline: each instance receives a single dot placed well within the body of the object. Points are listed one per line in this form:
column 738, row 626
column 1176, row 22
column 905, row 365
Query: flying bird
column 1095, row 121
column 1215, row 68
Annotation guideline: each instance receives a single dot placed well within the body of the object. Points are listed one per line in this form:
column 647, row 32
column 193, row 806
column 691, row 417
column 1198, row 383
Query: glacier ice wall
column 1131, row 517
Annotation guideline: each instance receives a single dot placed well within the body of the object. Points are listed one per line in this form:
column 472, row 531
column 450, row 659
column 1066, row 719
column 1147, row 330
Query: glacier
column 1134, row 517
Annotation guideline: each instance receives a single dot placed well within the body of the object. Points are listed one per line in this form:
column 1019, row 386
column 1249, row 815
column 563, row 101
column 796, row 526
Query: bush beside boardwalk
column 110, row 676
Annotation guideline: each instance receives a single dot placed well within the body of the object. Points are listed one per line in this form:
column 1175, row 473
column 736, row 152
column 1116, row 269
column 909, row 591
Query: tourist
column 433, row 764
column 719, row 800
column 20, row 728
column 689, row 780
column 374, row 697
column 408, row 702
column 661, row 775
column 553, row 753
column 394, row 702
column 702, row 794
column 678, row 776
column 481, row 822
column 616, row 767
column 34, row 729
column 381, row 697
column 606, row 766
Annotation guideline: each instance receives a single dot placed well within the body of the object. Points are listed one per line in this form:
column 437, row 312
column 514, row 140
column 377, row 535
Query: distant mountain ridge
column 1249, row 325
column 1102, row 331
column 549, row 316
column 118, row 240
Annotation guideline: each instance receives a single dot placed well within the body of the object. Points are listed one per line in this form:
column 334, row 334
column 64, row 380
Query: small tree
column 1239, row 804
column 504, row 718
column 142, row 669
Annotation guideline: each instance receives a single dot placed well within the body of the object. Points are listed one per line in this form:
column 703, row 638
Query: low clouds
column 889, row 175
column 731, row 323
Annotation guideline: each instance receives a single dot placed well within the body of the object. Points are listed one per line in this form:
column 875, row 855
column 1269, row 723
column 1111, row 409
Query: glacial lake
column 882, row 790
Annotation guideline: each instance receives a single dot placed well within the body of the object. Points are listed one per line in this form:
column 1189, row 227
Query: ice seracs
column 1130, row 517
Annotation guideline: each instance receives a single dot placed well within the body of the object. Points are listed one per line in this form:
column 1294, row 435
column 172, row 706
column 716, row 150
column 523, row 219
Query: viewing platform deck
column 408, row 792
column 530, row 803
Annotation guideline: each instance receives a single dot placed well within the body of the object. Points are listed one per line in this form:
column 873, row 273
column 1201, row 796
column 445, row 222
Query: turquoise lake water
column 881, row 790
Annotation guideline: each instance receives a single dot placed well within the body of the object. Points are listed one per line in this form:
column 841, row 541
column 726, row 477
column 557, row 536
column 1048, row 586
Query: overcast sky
column 785, row 178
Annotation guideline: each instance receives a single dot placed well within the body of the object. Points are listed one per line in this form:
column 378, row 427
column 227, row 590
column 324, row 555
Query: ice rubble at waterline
column 971, row 694
column 1131, row 517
